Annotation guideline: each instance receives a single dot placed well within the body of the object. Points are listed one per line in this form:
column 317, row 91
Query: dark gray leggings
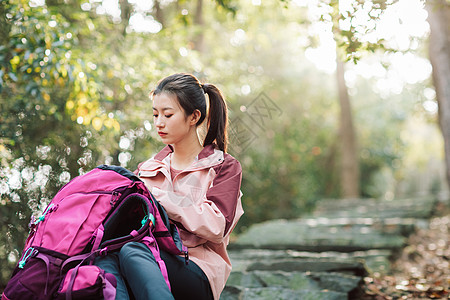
column 139, row 277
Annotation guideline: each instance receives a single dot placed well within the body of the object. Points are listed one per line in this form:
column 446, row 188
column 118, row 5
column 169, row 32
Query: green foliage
column 55, row 121
column 38, row 140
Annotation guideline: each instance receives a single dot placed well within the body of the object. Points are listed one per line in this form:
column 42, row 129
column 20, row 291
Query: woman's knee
column 135, row 252
column 130, row 247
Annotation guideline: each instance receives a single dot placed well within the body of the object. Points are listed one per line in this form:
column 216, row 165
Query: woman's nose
column 158, row 122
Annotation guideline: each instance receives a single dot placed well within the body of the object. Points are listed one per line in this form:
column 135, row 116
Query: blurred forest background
column 327, row 98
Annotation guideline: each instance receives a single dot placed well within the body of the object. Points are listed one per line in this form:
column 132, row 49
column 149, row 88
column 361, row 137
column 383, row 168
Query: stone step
column 325, row 255
column 285, row 274
column 373, row 260
column 278, row 293
column 398, row 226
column 298, row 235
column 421, row 208
column 292, row 263
column 319, row 265
column 338, row 282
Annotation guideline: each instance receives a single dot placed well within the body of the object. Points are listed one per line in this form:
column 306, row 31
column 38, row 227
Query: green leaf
column 13, row 76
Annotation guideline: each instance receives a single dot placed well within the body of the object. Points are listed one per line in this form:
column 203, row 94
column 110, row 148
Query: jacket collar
column 206, row 151
column 207, row 158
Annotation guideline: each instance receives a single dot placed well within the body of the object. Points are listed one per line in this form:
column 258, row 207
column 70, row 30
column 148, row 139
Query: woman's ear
column 195, row 116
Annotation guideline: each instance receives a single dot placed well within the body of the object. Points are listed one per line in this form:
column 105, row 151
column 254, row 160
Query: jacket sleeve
column 213, row 217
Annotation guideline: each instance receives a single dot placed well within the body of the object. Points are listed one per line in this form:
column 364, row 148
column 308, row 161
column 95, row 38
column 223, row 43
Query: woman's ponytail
column 217, row 118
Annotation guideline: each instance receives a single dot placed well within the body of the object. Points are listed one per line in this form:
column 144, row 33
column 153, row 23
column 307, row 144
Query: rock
column 316, row 265
column 337, row 282
column 399, row 226
column 278, row 293
column 374, row 260
column 256, row 279
column 421, row 208
column 295, row 235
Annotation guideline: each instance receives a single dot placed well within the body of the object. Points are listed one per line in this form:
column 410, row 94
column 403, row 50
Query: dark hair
column 191, row 96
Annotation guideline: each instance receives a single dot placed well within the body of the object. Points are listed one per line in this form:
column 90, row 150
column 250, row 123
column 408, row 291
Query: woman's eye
column 155, row 116
column 168, row 116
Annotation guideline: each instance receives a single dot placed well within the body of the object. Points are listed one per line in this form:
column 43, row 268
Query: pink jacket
column 204, row 200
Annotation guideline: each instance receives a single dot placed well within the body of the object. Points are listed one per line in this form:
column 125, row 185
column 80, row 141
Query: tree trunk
column 5, row 26
column 200, row 24
column 439, row 53
column 125, row 14
column 159, row 13
column 349, row 153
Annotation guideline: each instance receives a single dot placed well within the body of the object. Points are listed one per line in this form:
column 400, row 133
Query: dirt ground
column 422, row 269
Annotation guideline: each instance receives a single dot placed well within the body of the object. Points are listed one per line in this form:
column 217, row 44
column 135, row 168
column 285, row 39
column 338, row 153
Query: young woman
column 198, row 184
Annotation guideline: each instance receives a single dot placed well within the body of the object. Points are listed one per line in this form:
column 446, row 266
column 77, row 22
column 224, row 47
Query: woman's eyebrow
column 165, row 108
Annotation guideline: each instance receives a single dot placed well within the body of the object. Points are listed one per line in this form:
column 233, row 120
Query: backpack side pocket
column 87, row 282
column 37, row 275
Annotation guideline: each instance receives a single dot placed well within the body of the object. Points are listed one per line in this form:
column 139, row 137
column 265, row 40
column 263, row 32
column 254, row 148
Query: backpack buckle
column 103, row 252
column 115, row 196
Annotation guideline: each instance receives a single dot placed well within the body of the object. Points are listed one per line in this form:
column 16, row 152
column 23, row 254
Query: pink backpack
column 93, row 215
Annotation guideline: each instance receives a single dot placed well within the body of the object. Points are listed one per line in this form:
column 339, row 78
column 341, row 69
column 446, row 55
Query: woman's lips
column 162, row 134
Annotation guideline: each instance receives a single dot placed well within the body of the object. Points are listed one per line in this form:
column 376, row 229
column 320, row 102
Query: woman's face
column 170, row 119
